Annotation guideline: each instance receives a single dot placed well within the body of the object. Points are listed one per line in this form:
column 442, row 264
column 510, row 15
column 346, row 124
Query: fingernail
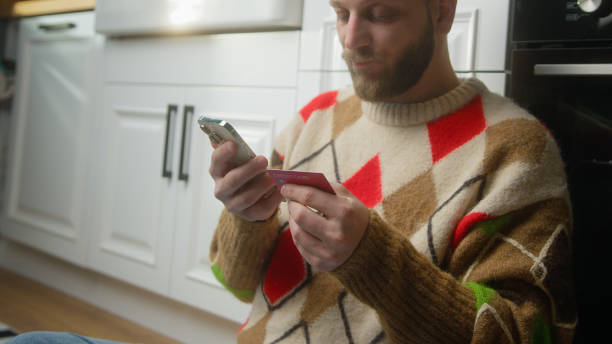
column 269, row 193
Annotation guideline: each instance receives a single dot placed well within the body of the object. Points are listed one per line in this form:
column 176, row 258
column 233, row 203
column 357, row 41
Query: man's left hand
column 326, row 239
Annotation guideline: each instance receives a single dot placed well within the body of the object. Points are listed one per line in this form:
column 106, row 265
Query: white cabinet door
column 135, row 176
column 46, row 196
column 484, row 23
column 257, row 114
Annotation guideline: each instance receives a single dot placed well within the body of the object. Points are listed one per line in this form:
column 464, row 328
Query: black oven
column 560, row 69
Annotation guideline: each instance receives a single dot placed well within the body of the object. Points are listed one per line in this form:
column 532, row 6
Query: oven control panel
column 561, row 20
column 577, row 9
column 589, row 6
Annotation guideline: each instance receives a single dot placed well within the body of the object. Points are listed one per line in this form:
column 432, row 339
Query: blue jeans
column 40, row 337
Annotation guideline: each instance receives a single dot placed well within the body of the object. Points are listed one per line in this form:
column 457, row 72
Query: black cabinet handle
column 57, row 27
column 185, row 142
column 167, row 161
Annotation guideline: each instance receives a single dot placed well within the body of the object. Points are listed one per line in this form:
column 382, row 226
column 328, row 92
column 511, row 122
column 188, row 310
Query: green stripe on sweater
column 541, row 332
column 242, row 294
column 482, row 292
column 492, row 226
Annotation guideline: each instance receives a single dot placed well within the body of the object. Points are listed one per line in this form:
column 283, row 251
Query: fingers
column 237, row 178
column 326, row 241
column 331, row 206
column 264, row 208
column 341, row 190
column 250, row 193
column 307, row 219
column 247, row 190
column 308, row 196
column 221, row 157
column 311, row 248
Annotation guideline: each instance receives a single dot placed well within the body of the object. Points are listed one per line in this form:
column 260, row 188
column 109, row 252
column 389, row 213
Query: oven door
column 570, row 90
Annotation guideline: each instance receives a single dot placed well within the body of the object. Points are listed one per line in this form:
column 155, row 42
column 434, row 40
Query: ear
column 445, row 10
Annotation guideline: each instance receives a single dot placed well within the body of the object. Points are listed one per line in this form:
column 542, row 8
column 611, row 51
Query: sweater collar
column 398, row 114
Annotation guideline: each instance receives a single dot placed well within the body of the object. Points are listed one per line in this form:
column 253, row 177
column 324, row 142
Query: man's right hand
column 246, row 191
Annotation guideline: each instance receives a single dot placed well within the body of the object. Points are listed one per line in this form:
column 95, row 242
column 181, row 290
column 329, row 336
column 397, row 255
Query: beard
column 403, row 74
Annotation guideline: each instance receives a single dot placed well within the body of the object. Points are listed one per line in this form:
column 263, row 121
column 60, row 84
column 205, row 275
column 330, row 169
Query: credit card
column 314, row 179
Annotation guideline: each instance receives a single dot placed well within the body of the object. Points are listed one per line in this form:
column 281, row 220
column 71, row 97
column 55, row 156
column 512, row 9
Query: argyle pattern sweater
column 469, row 236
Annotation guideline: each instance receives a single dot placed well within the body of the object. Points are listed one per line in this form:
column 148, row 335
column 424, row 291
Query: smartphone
column 219, row 131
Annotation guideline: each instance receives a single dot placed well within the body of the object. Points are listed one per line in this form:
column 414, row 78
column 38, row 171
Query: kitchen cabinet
column 154, row 207
column 136, row 180
column 147, row 17
column 46, row 191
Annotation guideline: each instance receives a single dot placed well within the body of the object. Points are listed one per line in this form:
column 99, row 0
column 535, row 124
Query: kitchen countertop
column 29, row 8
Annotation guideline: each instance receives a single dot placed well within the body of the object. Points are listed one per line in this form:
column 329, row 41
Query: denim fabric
column 41, row 337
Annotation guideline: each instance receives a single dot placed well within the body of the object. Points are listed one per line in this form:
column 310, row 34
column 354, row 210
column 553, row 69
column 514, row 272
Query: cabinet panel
column 256, row 117
column 136, row 132
column 491, row 32
column 49, row 158
column 135, row 203
column 462, row 39
column 261, row 59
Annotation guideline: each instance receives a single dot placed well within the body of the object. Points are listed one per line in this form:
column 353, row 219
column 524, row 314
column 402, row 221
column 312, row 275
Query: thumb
column 341, row 190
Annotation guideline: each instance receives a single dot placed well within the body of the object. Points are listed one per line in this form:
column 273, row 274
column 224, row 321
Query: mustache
column 358, row 56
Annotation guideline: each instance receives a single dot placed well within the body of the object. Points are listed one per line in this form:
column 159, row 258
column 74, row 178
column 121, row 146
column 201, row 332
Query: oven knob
column 589, row 6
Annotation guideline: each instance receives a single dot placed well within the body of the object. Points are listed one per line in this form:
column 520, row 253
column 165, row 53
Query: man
column 450, row 221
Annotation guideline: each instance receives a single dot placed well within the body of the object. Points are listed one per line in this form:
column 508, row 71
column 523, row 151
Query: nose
column 354, row 33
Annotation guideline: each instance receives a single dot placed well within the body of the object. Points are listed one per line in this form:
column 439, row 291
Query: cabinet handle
column 187, row 124
column 578, row 69
column 57, row 27
column 167, row 161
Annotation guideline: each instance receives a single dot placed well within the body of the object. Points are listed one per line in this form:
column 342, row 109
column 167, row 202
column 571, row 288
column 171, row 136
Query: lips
column 362, row 65
column 361, row 62
column 358, row 59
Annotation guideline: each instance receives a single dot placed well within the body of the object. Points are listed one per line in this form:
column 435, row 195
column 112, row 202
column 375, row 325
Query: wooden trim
column 29, row 8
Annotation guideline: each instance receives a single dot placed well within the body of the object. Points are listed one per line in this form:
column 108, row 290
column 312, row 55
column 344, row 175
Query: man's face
column 387, row 44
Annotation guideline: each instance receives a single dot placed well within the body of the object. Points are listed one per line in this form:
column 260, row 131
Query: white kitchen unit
column 138, row 17
column 154, row 207
column 134, row 203
column 46, row 199
column 477, row 46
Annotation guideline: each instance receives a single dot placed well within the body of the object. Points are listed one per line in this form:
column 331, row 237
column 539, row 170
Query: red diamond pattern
column 466, row 223
column 286, row 272
column 452, row 131
column 365, row 184
column 320, row 102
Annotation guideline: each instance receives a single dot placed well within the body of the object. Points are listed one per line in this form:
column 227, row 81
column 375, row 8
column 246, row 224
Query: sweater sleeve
column 506, row 277
column 239, row 248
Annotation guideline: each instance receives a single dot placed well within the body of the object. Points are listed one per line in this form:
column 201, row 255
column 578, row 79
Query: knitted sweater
column 468, row 239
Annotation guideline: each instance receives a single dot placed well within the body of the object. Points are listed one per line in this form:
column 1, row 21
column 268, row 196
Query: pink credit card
column 314, row 179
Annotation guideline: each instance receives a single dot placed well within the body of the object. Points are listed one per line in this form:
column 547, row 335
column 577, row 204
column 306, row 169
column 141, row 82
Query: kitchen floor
column 26, row 305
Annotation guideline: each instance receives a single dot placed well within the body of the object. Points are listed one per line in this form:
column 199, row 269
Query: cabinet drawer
column 164, row 16
column 59, row 26
column 265, row 59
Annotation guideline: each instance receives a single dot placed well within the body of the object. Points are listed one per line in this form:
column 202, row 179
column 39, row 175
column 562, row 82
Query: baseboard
column 173, row 319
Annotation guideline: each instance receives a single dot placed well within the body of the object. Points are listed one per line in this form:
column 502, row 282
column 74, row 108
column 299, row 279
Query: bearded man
column 450, row 221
